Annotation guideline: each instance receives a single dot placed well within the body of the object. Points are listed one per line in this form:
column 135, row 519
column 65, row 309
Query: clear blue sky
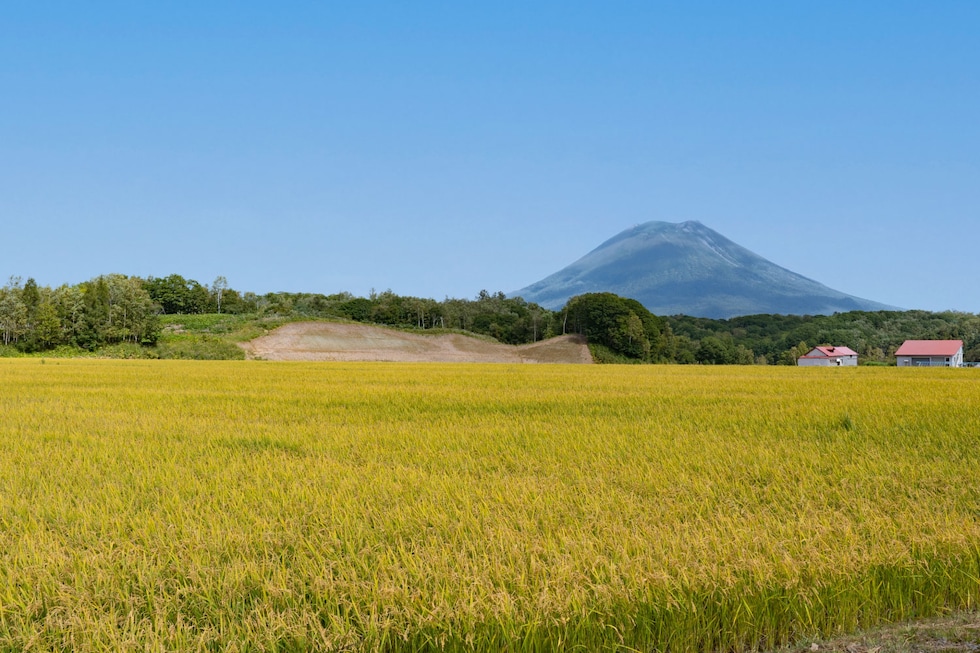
column 440, row 148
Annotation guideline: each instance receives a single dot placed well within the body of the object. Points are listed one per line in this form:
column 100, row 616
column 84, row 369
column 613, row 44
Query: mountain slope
column 689, row 269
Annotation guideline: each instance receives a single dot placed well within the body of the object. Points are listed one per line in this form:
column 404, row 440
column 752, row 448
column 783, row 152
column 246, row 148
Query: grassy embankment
column 189, row 337
column 211, row 336
column 200, row 337
column 173, row 505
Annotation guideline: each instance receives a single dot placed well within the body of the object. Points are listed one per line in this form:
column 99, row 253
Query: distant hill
column 687, row 268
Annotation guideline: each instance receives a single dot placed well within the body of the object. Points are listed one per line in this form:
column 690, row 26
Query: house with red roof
column 829, row 356
column 930, row 353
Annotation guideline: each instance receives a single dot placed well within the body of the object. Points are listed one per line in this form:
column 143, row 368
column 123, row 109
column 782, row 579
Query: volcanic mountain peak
column 687, row 268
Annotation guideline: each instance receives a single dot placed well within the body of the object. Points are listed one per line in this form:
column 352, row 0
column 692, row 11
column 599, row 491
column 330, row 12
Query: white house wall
column 934, row 361
column 845, row 361
column 813, row 362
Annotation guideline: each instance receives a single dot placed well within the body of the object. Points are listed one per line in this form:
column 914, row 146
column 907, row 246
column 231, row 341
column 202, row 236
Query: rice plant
column 178, row 505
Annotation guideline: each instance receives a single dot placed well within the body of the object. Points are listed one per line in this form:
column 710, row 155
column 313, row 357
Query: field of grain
column 232, row 506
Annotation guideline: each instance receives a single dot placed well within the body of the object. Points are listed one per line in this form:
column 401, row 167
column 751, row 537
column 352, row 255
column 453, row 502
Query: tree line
column 781, row 339
column 107, row 310
column 114, row 309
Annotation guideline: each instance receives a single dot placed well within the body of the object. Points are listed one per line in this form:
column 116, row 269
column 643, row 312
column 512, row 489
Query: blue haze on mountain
column 687, row 268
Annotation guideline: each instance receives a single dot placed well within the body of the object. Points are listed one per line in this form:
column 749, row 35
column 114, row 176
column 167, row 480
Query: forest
column 129, row 316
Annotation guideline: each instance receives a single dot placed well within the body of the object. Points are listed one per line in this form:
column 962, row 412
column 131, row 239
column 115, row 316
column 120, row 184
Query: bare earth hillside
column 327, row 341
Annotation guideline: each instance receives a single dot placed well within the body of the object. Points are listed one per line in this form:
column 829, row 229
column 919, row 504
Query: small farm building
column 930, row 353
column 829, row 357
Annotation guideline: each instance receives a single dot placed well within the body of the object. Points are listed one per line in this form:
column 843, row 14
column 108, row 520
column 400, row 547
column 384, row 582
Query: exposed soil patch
column 329, row 341
column 955, row 633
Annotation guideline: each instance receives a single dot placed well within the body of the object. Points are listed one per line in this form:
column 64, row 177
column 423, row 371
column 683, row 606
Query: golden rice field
column 249, row 506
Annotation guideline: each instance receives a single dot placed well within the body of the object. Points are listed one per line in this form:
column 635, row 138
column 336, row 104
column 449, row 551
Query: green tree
column 42, row 328
column 117, row 309
column 791, row 355
column 218, row 289
column 234, row 303
column 13, row 312
column 622, row 325
column 31, row 297
column 132, row 317
column 177, row 295
column 744, row 355
column 95, row 294
column 540, row 325
column 637, row 344
column 714, row 351
column 388, row 309
column 357, row 309
column 47, row 331
column 685, row 350
column 69, row 305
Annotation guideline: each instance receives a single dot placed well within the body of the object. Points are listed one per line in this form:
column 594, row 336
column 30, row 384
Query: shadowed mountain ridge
column 687, row 268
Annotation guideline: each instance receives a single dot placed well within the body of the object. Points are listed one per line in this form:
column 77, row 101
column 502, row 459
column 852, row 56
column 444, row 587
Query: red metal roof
column 929, row 348
column 831, row 352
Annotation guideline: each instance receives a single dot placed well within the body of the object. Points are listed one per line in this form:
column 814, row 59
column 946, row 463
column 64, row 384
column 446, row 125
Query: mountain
column 687, row 268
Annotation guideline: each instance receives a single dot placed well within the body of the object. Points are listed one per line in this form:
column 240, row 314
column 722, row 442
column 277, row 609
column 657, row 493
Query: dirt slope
column 328, row 341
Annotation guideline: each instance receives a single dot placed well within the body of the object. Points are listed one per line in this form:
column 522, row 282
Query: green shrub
column 7, row 351
column 127, row 350
column 603, row 354
column 200, row 348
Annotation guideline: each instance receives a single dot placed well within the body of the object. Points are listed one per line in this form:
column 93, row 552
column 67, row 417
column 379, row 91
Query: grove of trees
column 116, row 309
column 107, row 310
